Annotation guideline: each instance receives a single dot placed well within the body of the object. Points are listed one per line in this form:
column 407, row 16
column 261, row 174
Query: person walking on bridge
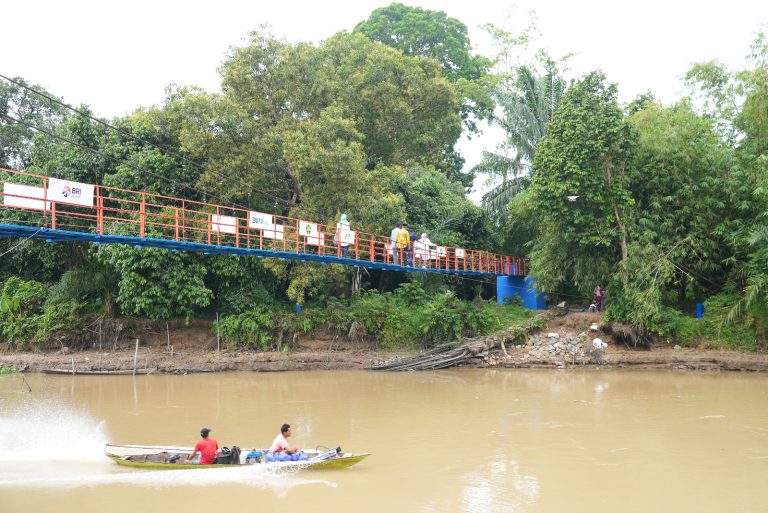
column 341, row 227
column 426, row 249
column 403, row 240
column 393, row 241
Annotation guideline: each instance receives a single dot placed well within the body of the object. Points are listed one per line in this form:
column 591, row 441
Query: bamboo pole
column 218, row 337
column 24, row 380
column 135, row 356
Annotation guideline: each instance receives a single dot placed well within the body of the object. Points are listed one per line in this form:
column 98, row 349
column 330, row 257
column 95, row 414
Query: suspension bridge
column 57, row 210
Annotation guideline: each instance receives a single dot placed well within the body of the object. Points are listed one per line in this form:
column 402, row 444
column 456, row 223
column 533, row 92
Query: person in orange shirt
column 207, row 447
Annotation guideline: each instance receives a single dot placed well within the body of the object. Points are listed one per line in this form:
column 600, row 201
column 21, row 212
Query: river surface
column 448, row 441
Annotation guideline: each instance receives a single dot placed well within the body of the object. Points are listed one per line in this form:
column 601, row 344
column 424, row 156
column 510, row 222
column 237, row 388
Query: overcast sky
column 116, row 56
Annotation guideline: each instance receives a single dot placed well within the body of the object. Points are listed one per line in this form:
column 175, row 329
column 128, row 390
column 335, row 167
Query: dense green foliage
column 661, row 203
column 579, row 187
column 405, row 318
column 7, row 370
column 666, row 205
column 27, row 318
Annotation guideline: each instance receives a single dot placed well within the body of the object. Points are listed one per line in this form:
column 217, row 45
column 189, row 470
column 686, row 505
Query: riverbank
column 564, row 342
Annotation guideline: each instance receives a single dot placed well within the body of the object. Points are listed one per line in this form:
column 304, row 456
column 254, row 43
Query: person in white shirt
column 341, row 226
column 280, row 443
column 426, row 248
column 393, row 242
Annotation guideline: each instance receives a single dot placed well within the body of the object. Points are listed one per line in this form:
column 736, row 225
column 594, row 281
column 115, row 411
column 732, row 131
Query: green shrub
column 712, row 329
column 27, row 319
column 7, row 370
column 250, row 329
column 407, row 318
column 737, row 334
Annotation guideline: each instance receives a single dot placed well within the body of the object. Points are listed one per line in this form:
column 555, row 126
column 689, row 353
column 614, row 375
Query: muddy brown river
column 449, row 441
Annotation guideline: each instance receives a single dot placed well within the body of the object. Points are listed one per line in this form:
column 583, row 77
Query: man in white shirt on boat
column 280, row 444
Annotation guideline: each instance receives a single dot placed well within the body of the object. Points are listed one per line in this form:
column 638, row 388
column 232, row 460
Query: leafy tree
column 242, row 283
column 691, row 197
column 420, row 32
column 395, row 109
column 737, row 103
column 159, row 285
column 585, row 155
column 405, row 109
column 754, row 273
column 20, row 110
column 438, row 206
column 77, row 155
column 752, row 120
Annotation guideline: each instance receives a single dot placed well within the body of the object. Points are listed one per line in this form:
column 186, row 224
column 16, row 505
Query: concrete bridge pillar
column 508, row 287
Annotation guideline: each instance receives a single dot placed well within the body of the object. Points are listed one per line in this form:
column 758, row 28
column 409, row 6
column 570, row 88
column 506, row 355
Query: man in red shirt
column 207, row 447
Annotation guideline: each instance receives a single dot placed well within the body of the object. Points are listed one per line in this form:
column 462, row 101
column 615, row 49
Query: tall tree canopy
column 420, row 32
column 583, row 158
column 20, row 110
column 292, row 117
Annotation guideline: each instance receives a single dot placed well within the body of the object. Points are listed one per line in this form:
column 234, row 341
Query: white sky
column 116, row 56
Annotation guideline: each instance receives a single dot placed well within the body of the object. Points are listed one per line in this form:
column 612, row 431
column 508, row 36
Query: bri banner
column 74, row 193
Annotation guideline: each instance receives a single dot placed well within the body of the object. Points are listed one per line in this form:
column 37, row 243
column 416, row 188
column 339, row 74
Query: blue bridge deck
column 55, row 235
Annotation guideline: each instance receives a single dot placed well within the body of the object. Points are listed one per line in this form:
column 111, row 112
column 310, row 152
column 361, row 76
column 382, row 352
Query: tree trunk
column 356, row 278
column 295, row 185
column 619, row 223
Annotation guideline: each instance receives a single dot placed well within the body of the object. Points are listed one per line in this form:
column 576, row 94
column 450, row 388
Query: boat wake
column 50, row 445
column 102, row 475
column 49, row 431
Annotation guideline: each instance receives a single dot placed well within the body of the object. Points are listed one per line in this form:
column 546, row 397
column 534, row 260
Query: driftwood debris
column 446, row 356
column 100, row 372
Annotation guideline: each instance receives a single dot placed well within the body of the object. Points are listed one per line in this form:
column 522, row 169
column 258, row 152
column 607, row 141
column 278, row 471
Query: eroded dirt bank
column 194, row 349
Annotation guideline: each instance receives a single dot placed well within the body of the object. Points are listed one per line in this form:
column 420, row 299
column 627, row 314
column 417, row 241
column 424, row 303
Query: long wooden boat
column 171, row 457
column 119, row 372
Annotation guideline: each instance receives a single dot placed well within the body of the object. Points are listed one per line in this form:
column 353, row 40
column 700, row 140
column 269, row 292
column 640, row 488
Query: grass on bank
column 7, row 370
column 406, row 318
column 713, row 331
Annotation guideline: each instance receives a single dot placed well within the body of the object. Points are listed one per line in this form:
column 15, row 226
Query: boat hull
column 131, row 456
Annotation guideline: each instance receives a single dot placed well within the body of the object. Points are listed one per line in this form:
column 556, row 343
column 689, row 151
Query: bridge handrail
column 118, row 211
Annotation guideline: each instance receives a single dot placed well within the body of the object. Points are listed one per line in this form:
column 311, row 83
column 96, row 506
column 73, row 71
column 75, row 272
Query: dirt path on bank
column 193, row 349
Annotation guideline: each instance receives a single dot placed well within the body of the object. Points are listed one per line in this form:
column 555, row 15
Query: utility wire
column 21, row 243
column 164, row 149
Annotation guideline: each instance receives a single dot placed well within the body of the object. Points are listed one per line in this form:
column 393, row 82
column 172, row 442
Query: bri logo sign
column 72, row 192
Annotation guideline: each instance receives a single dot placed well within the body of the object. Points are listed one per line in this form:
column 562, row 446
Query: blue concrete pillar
column 508, row 287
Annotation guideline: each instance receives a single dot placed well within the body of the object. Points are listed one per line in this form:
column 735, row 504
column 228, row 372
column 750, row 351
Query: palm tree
column 527, row 101
column 756, row 271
